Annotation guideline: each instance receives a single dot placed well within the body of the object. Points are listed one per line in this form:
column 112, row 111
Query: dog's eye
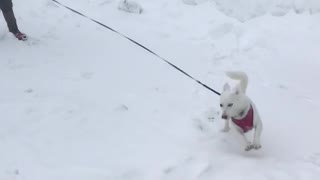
column 221, row 105
column 230, row 105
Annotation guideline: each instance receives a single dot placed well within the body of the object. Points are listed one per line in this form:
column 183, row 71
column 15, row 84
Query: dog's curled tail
column 241, row 76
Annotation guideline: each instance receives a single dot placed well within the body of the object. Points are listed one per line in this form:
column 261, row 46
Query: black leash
column 142, row 46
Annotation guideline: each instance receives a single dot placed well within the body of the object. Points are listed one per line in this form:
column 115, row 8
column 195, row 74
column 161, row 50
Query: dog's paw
column 256, row 146
column 249, row 147
column 225, row 129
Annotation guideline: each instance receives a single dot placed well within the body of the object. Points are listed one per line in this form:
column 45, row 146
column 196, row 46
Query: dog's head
column 231, row 101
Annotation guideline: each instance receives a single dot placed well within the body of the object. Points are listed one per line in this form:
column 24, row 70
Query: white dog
column 240, row 110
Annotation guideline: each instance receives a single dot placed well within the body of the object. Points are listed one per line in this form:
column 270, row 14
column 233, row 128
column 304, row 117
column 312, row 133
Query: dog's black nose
column 224, row 116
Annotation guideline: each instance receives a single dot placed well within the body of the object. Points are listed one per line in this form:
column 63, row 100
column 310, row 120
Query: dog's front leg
column 245, row 140
column 256, row 136
column 249, row 145
column 226, row 126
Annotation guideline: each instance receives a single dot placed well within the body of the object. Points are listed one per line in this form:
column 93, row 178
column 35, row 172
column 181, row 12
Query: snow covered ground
column 80, row 102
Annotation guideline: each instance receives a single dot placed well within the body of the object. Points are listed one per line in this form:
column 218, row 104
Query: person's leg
column 11, row 21
column 6, row 7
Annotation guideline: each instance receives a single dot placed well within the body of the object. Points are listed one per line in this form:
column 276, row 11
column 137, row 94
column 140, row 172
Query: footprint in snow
column 32, row 41
column 105, row 2
column 131, row 175
column 190, row 167
column 190, row 2
column 284, row 87
column 28, row 90
column 11, row 174
column 87, row 75
column 52, row 4
column 314, row 159
column 222, row 30
column 122, row 108
column 204, row 123
column 169, row 170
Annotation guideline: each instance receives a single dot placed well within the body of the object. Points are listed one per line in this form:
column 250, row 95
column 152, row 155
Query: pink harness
column 246, row 123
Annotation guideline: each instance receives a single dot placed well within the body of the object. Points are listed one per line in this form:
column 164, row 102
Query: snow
column 130, row 6
column 81, row 102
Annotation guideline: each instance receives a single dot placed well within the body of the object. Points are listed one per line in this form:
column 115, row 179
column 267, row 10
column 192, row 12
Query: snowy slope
column 81, row 102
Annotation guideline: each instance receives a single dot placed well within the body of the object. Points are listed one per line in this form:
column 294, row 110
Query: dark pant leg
column 6, row 8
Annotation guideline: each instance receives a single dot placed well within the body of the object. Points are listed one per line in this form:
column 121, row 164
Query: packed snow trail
column 80, row 102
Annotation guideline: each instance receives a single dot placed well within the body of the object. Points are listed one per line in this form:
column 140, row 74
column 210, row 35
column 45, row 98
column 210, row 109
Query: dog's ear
column 226, row 87
column 237, row 90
